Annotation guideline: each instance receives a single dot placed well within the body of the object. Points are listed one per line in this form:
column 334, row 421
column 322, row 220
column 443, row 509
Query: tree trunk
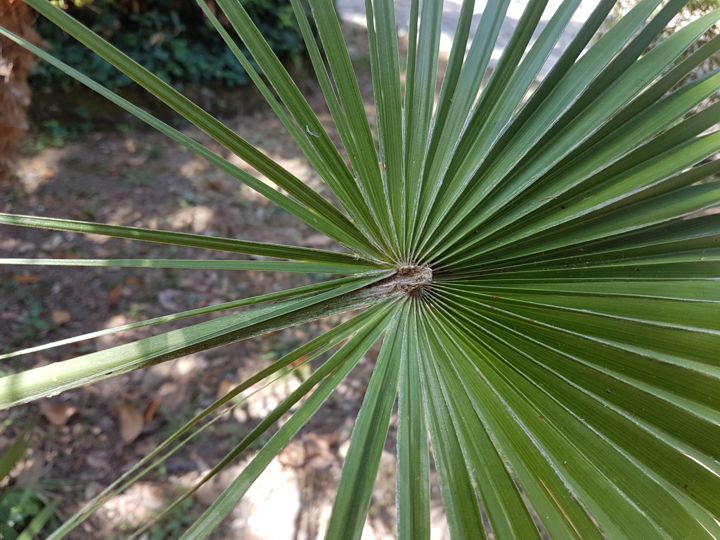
column 15, row 66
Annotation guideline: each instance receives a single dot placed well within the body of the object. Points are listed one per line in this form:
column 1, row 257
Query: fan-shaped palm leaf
column 540, row 263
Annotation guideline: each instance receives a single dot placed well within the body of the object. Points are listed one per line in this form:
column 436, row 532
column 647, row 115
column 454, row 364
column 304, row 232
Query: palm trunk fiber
column 15, row 66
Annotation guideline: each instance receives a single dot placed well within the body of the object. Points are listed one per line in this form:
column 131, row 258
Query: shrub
column 165, row 36
column 541, row 274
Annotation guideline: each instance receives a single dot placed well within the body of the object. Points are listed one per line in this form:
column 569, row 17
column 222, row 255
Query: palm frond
column 538, row 261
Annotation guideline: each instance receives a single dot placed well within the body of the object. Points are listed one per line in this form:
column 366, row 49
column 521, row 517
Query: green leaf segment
column 538, row 264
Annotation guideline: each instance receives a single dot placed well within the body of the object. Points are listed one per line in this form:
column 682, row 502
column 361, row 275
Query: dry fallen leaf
column 115, row 296
column 151, row 410
column 57, row 414
column 64, row 254
column 224, row 387
column 131, row 423
column 214, row 185
column 27, row 279
column 60, row 317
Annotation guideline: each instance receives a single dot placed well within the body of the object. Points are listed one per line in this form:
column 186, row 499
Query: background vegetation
column 167, row 37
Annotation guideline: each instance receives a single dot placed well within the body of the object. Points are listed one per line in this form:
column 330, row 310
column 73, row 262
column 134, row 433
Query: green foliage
column 53, row 133
column 538, row 264
column 178, row 520
column 24, row 512
column 165, row 36
column 34, row 319
column 703, row 5
column 19, row 509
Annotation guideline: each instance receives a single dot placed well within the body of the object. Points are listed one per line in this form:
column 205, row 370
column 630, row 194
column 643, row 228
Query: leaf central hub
column 413, row 280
